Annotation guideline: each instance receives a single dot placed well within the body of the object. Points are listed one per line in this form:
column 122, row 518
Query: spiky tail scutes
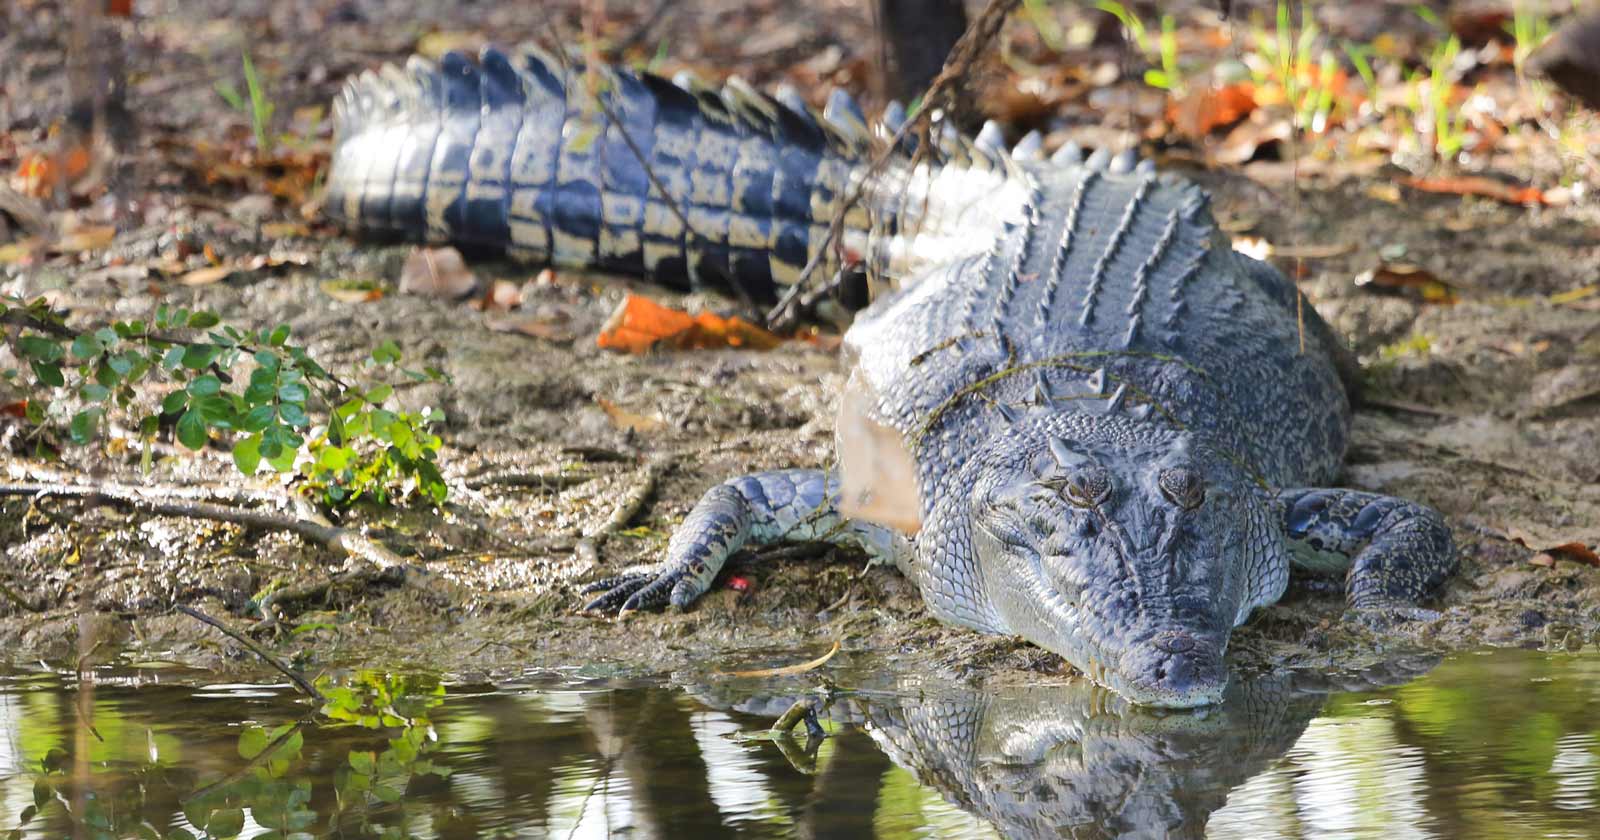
column 672, row 181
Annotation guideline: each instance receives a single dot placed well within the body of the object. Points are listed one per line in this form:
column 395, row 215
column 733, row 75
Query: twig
column 159, row 501
column 588, row 548
column 260, row 758
column 962, row 56
column 364, row 576
column 541, row 480
column 787, row 669
column 294, row 676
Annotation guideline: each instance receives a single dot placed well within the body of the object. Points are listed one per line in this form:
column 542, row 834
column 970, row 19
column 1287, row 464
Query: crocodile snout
column 1173, row 669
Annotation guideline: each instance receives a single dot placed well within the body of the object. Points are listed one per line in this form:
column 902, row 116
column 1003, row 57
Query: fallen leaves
column 639, row 325
column 625, row 419
column 1571, row 551
column 438, row 273
column 1209, row 108
column 1478, row 185
column 1409, row 280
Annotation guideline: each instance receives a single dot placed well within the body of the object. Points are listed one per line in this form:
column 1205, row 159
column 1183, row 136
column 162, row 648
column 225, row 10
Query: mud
column 1487, row 409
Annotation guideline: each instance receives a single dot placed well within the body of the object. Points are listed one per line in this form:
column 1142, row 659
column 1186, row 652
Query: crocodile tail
column 627, row 172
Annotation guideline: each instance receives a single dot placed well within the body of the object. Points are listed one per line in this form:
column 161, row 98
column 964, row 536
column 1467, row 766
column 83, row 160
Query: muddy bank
column 1486, row 408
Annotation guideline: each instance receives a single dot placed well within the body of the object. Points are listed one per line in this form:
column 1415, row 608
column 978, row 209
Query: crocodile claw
column 629, row 592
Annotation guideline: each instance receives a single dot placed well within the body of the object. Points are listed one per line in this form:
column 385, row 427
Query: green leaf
column 258, row 418
column 198, row 356
column 386, row 353
column 205, row 386
column 173, row 358
column 279, row 336
column 122, row 363
column 174, row 402
column 252, row 741
column 43, row 793
column 192, row 429
column 362, row 762
column 293, row 414
column 83, row 426
column 293, row 392
column 247, row 454
column 227, row 822
column 48, row 373
column 39, row 349
column 85, row 346
column 95, row 392
column 202, row 320
column 380, row 393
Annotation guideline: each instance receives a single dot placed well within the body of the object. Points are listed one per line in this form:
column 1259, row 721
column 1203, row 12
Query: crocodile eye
column 1183, row 487
column 1088, row 487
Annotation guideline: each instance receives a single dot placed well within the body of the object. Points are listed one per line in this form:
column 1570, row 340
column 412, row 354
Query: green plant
column 1162, row 50
column 1449, row 124
column 1306, row 71
column 259, row 108
column 252, row 386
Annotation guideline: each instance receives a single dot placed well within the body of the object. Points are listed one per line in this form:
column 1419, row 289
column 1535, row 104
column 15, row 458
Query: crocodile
column 1066, row 759
column 1117, row 435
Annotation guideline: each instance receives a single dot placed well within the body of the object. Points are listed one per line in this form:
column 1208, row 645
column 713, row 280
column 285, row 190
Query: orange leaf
column 1478, row 185
column 639, row 324
column 1576, row 552
column 1203, row 110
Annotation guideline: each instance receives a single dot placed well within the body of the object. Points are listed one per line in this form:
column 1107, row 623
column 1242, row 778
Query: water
column 1498, row 744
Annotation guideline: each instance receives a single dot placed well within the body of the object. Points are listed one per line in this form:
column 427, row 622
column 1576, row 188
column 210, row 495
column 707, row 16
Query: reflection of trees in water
column 1479, row 748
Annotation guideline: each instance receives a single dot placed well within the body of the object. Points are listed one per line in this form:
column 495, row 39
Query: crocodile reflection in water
column 1079, row 761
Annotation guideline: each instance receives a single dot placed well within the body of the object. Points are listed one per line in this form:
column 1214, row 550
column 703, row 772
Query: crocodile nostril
column 1173, row 641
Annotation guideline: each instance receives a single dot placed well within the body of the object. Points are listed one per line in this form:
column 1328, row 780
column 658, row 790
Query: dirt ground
column 1488, row 409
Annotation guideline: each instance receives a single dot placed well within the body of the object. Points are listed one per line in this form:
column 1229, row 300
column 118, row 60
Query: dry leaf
column 1204, row 110
column 1477, row 185
column 91, row 238
column 787, row 669
column 1575, row 552
column 353, row 290
column 639, row 324
column 626, row 419
column 208, row 275
column 1396, row 278
column 542, row 327
column 437, row 272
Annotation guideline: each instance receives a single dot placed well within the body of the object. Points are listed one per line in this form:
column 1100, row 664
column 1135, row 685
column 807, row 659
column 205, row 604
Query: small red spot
column 739, row 583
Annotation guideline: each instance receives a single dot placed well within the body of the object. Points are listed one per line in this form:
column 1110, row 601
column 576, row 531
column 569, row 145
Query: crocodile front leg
column 1397, row 552
column 762, row 508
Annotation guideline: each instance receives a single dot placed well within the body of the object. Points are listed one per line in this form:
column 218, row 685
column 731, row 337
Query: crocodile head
column 1131, row 550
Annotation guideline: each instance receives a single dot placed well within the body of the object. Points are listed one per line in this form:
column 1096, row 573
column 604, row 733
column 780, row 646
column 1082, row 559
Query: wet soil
column 1488, row 409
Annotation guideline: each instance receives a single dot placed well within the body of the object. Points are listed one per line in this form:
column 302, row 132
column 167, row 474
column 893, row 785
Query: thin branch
column 294, row 676
column 941, row 91
column 588, row 548
column 261, row 758
column 164, row 501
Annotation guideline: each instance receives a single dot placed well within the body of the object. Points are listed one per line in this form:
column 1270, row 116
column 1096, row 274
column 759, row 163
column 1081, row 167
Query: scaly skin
column 1074, row 760
column 1119, row 425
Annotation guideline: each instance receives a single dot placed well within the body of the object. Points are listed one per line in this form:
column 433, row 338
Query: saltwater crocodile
column 1070, row 760
column 1116, row 428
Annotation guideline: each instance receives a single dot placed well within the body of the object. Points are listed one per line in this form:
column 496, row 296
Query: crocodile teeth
column 1029, row 146
column 1140, row 412
column 1124, row 162
column 990, row 138
column 1145, row 167
column 1098, row 160
column 1070, row 154
column 1041, row 390
column 1010, row 414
